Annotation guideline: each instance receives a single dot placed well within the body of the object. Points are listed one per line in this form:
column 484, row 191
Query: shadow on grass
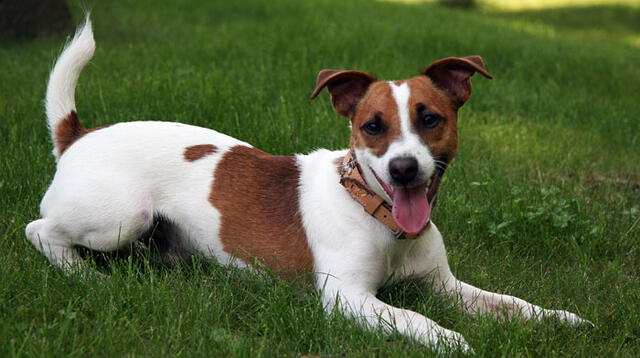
column 148, row 255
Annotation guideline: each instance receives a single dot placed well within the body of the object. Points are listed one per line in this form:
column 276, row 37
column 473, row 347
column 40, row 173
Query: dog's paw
column 570, row 318
column 448, row 342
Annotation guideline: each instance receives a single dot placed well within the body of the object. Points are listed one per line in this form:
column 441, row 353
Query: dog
column 355, row 219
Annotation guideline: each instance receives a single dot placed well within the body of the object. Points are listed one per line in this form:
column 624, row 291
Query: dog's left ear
column 346, row 88
column 452, row 74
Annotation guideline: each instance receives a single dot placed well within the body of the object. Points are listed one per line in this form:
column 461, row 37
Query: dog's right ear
column 346, row 88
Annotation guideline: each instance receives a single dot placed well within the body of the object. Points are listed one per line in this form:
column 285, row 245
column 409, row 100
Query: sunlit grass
column 594, row 21
column 519, row 5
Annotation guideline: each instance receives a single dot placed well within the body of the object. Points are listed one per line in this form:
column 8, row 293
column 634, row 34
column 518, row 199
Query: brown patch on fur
column 69, row 130
column 453, row 74
column 257, row 196
column 195, row 152
column 346, row 88
column 443, row 139
column 338, row 163
column 378, row 101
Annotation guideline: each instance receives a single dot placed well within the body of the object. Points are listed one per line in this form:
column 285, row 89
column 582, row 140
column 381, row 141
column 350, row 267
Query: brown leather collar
column 351, row 178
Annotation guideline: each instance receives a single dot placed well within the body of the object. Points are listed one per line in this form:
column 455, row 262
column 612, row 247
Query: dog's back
column 113, row 183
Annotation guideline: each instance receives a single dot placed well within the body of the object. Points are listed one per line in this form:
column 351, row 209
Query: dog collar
column 353, row 181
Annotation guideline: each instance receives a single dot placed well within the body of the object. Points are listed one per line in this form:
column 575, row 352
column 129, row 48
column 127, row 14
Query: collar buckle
column 347, row 167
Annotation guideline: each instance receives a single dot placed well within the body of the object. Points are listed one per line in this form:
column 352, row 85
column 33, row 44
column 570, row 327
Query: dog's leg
column 103, row 212
column 374, row 314
column 53, row 243
column 428, row 260
column 477, row 301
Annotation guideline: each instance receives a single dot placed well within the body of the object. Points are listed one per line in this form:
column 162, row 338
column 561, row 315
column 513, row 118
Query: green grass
column 543, row 200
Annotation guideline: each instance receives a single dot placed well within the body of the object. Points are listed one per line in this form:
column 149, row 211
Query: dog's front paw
column 448, row 342
column 570, row 318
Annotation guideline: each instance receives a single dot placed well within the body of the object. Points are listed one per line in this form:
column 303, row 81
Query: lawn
column 542, row 201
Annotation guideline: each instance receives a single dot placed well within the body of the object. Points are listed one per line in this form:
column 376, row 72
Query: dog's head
column 404, row 133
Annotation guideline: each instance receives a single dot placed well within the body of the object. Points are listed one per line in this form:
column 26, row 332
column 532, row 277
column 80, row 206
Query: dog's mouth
column 411, row 206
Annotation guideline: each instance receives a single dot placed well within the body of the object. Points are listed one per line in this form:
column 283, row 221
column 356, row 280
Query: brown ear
column 346, row 88
column 453, row 73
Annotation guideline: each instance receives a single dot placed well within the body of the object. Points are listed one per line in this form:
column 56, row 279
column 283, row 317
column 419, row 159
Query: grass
column 542, row 202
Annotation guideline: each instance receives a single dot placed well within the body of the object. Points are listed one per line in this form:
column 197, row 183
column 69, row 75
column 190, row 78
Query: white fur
column 110, row 183
column 60, row 100
column 408, row 144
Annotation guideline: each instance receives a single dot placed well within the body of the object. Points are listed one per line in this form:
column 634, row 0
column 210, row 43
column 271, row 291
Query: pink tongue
column 411, row 209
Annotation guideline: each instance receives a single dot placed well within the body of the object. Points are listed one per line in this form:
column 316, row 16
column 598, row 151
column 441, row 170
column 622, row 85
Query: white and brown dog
column 356, row 218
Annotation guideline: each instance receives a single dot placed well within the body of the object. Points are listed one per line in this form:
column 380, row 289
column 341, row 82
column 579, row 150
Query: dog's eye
column 373, row 127
column 430, row 120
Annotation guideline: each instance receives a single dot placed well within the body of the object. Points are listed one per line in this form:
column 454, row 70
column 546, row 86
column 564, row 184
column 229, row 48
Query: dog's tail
column 60, row 101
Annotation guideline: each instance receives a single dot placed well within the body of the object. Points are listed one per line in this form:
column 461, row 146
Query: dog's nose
column 403, row 170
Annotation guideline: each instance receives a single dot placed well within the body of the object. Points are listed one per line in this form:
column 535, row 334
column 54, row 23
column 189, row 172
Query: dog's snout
column 403, row 170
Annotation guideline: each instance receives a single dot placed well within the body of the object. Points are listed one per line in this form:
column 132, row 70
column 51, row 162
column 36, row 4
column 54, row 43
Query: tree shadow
column 465, row 4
